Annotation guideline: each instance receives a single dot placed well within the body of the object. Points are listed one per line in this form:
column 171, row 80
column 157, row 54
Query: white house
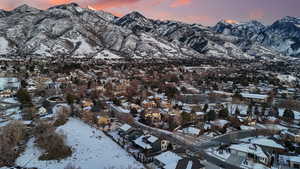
column 167, row 160
column 248, row 150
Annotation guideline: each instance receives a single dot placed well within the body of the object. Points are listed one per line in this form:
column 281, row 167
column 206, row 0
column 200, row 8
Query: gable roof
column 249, row 148
column 169, row 159
column 125, row 127
column 189, row 164
column 267, row 143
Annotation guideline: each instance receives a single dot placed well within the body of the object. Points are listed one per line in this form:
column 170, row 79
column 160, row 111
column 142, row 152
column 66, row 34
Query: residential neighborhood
column 164, row 115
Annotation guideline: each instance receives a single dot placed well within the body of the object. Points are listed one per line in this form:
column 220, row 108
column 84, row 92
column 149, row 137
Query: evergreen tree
column 24, row 97
column 223, row 113
column 288, row 115
column 211, row 115
column 205, row 107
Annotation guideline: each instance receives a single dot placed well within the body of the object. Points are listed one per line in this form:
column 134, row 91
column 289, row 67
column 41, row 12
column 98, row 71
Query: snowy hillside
column 91, row 150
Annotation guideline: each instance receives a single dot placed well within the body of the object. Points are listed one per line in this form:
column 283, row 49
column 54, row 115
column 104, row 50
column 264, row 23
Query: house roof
column 200, row 113
column 191, row 130
column 169, row 159
column 189, row 164
column 249, row 148
column 125, row 127
column 220, row 122
column 141, row 143
column 152, row 139
column 267, row 143
column 254, row 96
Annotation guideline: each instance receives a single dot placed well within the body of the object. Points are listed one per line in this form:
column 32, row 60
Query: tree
column 211, row 115
column 288, row 115
column 24, row 97
column 237, row 111
column 275, row 111
column 185, row 117
column 116, row 101
column 10, row 136
column 205, row 107
column 70, row 98
column 133, row 111
column 223, row 113
column 50, row 141
column 171, row 91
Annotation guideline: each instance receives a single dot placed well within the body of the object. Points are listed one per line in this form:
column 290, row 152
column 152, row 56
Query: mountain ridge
column 71, row 31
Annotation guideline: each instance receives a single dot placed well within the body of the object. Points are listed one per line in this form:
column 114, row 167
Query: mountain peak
column 135, row 14
column 290, row 19
column 26, row 8
column 91, row 8
column 64, row 6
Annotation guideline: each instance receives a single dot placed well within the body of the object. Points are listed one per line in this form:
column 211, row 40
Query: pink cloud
column 178, row 3
column 256, row 14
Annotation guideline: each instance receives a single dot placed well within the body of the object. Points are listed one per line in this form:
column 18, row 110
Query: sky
column 205, row 12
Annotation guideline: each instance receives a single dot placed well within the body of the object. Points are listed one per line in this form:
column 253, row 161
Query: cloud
column 107, row 4
column 179, row 3
column 57, row 2
column 256, row 14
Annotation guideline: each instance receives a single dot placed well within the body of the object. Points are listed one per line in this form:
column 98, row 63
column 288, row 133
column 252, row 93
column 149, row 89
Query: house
column 220, row 123
column 268, row 144
column 251, row 151
column 291, row 161
column 167, row 160
column 153, row 115
column 42, row 111
column 148, row 144
column 187, row 163
column 125, row 129
column 148, row 104
column 6, row 93
column 256, row 98
column 164, row 144
column 200, row 116
column 191, row 131
column 292, row 135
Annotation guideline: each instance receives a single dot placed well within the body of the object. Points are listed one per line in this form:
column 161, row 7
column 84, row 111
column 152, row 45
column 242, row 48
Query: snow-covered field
column 92, row 149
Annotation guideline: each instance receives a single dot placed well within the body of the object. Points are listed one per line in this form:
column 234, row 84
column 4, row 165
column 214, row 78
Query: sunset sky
column 206, row 12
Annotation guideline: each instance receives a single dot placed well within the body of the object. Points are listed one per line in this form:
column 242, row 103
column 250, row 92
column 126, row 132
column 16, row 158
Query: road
column 198, row 146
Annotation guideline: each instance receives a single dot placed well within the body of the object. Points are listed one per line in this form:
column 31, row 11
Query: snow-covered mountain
column 222, row 41
column 71, row 31
column 282, row 36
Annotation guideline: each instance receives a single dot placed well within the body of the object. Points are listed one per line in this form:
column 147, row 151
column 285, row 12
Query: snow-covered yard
column 92, row 149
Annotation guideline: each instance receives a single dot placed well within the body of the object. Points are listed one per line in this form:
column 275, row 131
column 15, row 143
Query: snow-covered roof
column 191, row 130
column 220, row 122
column 152, row 139
column 169, row 159
column 266, row 142
column 125, row 127
column 254, row 96
column 243, row 127
column 140, row 142
column 295, row 159
column 200, row 113
column 207, row 126
column 249, row 148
